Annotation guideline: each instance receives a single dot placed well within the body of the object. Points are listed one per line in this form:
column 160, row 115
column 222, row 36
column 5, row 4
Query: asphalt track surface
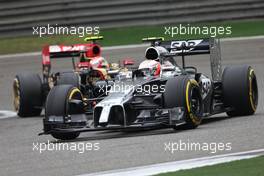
column 122, row 150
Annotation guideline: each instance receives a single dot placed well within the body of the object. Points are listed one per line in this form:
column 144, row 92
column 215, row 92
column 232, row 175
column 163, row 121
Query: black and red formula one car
column 30, row 90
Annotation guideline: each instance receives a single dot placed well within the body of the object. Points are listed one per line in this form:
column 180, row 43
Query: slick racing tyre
column 240, row 90
column 182, row 91
column 27, row 89
column 57, row 104
column 70, row 78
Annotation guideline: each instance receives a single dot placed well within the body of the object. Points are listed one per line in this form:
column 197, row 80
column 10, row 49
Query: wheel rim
column 16, row 91
column 195, row 102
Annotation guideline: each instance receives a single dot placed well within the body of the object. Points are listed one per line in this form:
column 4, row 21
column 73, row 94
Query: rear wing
column 198, row 46
column 187, row 47
column 59, row 51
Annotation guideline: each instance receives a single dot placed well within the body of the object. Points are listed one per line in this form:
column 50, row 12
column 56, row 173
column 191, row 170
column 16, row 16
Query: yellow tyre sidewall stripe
column 74, row 91
column 194, row 119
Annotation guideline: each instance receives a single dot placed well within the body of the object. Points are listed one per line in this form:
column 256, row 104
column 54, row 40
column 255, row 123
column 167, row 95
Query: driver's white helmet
column 151, row 66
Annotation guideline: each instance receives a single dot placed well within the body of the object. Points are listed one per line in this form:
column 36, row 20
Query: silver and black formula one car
column 159, row 94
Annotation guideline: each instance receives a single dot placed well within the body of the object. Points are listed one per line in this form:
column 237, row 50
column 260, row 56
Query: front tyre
column 182, row 91
column 58, row 104
column 240, row 90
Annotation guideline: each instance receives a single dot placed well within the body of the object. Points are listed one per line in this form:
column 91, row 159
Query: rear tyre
column 57, row 104
column 240, row 90
column 184, row 92
column 27, row 89
column 70, row 78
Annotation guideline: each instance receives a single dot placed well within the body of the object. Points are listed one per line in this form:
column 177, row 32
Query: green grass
column 124, row 35
column 247, row 167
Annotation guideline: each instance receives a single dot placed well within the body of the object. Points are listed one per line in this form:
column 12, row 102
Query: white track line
column 242, row 38
column 180, row 165
column 7, row 114
column 20, row 55
column 125, row 46
column 128, row 47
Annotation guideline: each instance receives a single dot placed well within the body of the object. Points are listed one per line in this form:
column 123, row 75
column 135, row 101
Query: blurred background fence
column 17, row 17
